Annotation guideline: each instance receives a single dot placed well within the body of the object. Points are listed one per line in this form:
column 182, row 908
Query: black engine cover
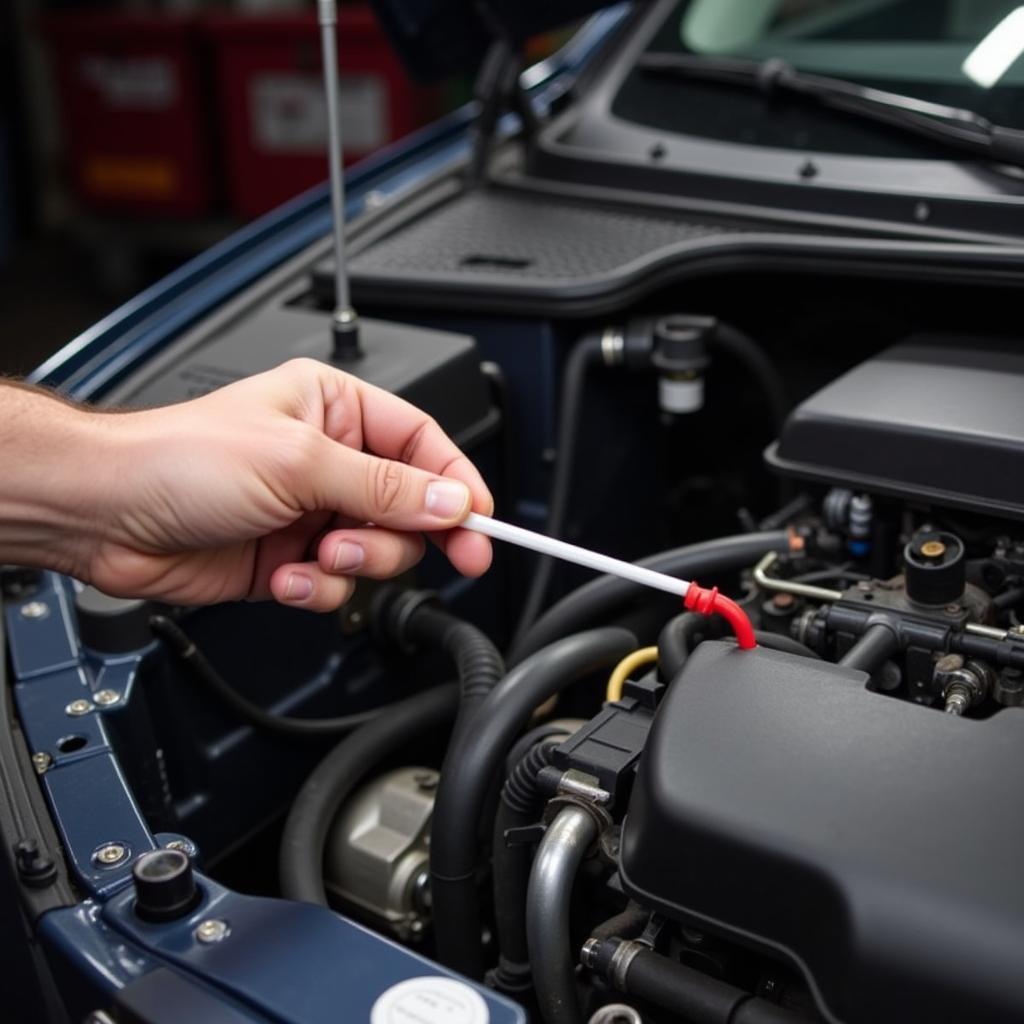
column 876, row 844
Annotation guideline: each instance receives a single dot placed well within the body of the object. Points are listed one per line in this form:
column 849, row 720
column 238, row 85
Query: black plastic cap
column 112, row 625
column 164, row 886
column 936, row 573
column 680, row 342
column 345, row 346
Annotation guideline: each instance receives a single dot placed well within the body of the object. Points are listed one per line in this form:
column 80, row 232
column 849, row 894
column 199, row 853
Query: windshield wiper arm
column 951, row 126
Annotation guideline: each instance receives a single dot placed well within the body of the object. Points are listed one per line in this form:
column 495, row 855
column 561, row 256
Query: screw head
column 212, row 930
column 1017, row 630
column 183, row 845
column 110, row 854
column 35, row 610
column 79, row 707
column 106, row 697
column 41, row 761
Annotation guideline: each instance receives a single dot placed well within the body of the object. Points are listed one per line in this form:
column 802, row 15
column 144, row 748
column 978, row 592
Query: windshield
column 963, row 53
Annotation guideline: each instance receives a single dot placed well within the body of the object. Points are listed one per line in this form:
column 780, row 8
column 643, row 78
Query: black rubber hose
column 598, row 600
column 875, row 646
column 474, row 759
column 476, row 659
column 676, row 641
column 338, row 774
column 520, row 805
column 686, row 993
column 746, row 351
column 627, row 924
column 1008, row 599
column 781, row 642
column 584, row 355
column 191, row 656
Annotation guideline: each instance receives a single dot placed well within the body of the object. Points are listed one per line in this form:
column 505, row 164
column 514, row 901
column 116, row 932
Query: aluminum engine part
column 377, row 852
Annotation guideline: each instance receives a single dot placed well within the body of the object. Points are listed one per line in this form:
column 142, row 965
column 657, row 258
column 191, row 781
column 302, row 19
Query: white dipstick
column 572, row 553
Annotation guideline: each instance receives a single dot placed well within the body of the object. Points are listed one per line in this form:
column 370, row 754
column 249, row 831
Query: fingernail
column 348, row 555
column 446, row 498
column 298, row 587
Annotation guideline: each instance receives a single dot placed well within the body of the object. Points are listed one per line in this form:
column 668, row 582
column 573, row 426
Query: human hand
column 268, row 488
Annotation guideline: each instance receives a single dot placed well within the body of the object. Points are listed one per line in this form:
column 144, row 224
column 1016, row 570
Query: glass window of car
column 962, row 53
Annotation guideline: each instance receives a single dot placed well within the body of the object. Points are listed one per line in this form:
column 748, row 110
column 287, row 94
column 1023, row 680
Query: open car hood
column 436, row 38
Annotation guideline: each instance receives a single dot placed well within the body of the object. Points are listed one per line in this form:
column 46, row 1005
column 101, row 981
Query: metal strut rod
column 345, row 323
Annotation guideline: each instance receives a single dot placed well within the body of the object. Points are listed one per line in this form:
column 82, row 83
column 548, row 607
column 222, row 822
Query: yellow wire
column 630, row 663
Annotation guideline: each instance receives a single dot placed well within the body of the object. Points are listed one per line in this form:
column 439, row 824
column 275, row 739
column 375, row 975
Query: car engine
column 613, row 813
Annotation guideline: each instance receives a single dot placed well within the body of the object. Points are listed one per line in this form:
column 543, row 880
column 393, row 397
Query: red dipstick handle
column 711, row 602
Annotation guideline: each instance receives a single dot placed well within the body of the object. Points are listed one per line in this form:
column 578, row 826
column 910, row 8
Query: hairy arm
column 289, row 484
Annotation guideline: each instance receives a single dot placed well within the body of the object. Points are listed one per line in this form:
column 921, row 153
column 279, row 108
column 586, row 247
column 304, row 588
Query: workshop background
column 133, row 135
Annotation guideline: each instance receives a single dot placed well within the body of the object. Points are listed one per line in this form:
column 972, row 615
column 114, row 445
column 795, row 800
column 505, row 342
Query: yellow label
column 130, row 177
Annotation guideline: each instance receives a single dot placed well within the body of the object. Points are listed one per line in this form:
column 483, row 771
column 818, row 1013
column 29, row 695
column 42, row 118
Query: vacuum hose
column 520, row 805
column 407, row 617
column 475, row 758
column 412, row 619
column 584, row 355
column 685, row 993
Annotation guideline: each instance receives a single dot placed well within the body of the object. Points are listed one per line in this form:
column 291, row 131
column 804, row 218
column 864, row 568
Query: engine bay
column 570, row 790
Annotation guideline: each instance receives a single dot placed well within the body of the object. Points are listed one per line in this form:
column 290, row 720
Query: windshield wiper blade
column 951, row 126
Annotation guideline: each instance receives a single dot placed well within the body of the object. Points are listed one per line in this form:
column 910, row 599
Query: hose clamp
column 602, row 819
column 622, row 959
column 613, row 346
column 579, row 784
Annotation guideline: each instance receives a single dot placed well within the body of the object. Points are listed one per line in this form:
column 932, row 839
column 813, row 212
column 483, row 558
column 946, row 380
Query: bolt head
column 184, row 845
column 79, row 707
column 35, row 610
column 106, row 697
column 41, row 761
column 110, row 854
column 1017, row 630
column 212, row 930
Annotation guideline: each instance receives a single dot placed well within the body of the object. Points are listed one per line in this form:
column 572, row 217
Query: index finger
column 396, row 429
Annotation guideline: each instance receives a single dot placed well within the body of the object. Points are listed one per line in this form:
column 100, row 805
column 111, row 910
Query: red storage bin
column 272, row 100
column 132, row 106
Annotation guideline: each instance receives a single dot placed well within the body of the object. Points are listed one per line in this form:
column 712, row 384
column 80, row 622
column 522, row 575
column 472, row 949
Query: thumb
column 388, row 493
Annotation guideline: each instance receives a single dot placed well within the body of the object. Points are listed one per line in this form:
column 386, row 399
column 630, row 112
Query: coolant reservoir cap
column 432, row 999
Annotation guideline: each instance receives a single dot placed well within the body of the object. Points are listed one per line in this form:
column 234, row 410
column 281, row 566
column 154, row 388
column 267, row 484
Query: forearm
column 53, row 470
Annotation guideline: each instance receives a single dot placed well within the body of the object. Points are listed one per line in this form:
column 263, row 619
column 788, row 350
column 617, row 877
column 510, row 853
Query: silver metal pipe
column 552, row 962
column 992, row 632
column 766, row 582
column 328, row 17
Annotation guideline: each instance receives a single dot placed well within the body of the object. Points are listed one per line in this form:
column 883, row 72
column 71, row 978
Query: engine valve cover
column 874, row 843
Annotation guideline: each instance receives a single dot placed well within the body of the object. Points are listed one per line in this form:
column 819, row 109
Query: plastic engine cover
column 932, row 419
column 876, row 844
